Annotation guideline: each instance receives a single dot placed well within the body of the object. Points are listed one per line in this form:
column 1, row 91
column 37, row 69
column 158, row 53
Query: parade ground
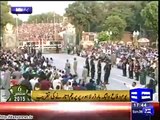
column 116, row 80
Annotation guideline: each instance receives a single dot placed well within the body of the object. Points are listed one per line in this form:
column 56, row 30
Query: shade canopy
column 143, row 40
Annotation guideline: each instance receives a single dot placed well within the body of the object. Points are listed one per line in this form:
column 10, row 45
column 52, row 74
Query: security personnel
column 107, row 70
column 87, row 65
column 99, row 67
column 124, row 67
column 92, row 69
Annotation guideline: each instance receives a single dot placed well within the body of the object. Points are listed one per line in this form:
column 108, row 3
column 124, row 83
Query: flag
column 36, row 20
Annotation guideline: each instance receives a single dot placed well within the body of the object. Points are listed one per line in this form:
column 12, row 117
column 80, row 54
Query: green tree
column 150, row 14
column 77, row 15
column 45, row 18
column 93, row 16
column 117, row 25
column 5, row 16
column 130, row 11
column 103, row 37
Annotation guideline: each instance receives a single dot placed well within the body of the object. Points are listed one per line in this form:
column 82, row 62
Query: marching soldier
column 137, row 70
column 87, row 65
column 99, row 67
column 131, row 68
column 107, row 70
column 124, row 67
column 92, row 69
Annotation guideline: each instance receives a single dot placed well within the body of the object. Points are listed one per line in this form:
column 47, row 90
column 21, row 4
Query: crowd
column 36, row 72
column 35, row 32
column 39, row 73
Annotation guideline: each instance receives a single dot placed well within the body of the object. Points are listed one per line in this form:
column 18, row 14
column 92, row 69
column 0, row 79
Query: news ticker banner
column 21, row 94
column 74, row 110
column 80, row 96
column 21, row 10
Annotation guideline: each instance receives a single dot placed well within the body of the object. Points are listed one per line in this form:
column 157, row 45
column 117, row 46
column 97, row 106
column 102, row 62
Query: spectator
column 91, row 85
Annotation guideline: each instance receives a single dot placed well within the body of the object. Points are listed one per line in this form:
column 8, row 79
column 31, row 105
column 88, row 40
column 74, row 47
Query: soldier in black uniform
column 124, row 67
column 92, row 68
column 131, row 68
column 57, row 49
column 107, row 70
column 87, row 65
column 137, row 70
column 99, row 70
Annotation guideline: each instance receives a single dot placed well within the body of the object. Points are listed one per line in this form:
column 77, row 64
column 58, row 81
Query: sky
column 41, row 7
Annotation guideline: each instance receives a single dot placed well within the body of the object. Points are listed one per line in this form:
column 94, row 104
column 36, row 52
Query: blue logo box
column 148, row 111
column 141, row 95
column 21, row 10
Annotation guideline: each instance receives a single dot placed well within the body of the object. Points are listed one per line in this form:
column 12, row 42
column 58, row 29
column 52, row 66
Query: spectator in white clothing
column 133, row 86
column 68, row 86
column 55, row 83
column 33, row 82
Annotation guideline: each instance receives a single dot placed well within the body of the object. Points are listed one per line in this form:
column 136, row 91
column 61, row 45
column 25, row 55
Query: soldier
column 57, row 49
column 99, row 67
column 124, row 67
column 143, row 75
column 107, row 70
column 113, row 59
column 152, row 83
column 87, row 65
column 137, row 70
column 92, row 69
column 131, row 68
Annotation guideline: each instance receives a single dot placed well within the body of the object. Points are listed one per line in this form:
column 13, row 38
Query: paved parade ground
column 116, row 80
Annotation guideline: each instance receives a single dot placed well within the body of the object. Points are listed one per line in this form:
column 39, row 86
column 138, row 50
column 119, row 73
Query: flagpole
column 47, row 19
column 17, row 30
column 42, row 45
column 55, row 27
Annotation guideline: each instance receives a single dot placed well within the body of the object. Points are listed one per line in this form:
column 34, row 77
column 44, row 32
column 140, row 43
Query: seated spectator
column 26, row 82
column 55, row 83
column 68, row 86
column 37, row 86
column 91, row 85
column 34, row 81
column 14, row 81
column 82, row 86
column 58, row 87
column 152, row 84
column 44, row 83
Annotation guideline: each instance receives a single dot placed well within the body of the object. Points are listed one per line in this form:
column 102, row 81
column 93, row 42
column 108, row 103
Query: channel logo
column 141, row 95
column 21, row 10
column 148, row 111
